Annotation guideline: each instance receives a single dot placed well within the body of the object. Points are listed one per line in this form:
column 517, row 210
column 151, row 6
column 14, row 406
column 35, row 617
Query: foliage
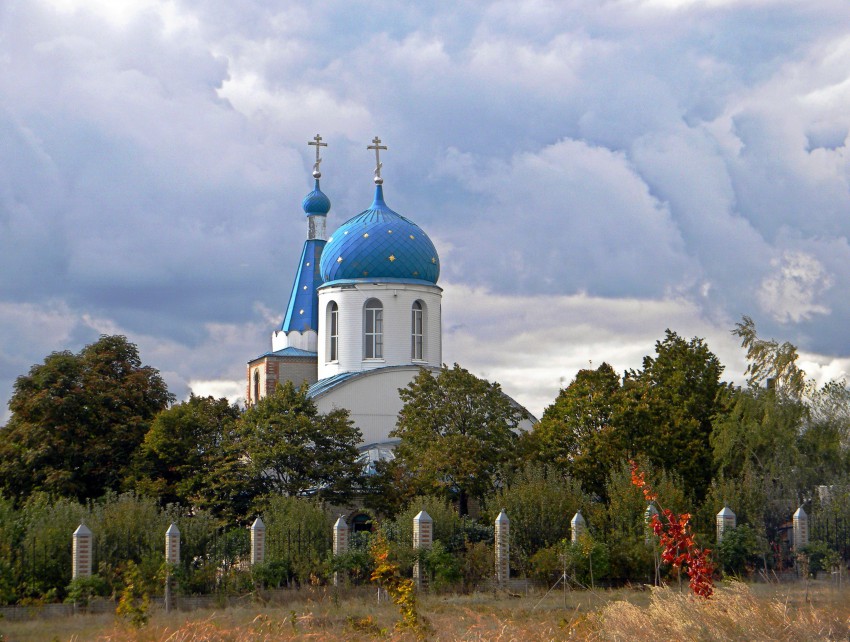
column 444, row 567
column 134, row 604
column 77, row 419
column 668, row 409
column 770, row 362
column 577, row 432
column 297, row 535
column 587, row 559
column 677, row 544
column 187, row 458
column 477, row 564
column 294, row 450
column 621, row 523
column 820, row 557
column 548, row 564
column 400, row 589
column 539, row 502
column 740, row 548
column 82, row 589
column 456, row 431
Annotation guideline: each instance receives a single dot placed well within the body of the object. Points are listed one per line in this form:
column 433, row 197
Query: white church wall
column 372, row 400
column 397, row 301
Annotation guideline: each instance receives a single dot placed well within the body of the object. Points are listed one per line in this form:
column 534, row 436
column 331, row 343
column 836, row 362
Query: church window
column 256, row 385
column 333, row 324
column 416, row 331
column 373, row 334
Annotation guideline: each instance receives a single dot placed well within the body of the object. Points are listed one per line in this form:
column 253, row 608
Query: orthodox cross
column 319, row 144
column 376, row 145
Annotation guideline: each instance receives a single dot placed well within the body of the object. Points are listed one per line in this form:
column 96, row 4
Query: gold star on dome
column 433, row 259
column 339, row 260
column 366, row 235
column 392, row 258
column 389, row 231
column 365, row 273
column 345, row 233
column 301, row 312
column 416, row 273
column 308, row 262
column 412, row 237
column 305, row 287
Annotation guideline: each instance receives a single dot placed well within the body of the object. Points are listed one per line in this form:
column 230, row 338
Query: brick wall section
column 274, row 370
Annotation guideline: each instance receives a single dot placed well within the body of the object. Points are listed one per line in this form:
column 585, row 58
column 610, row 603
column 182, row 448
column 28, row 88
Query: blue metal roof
column 327, row 384
column 378, row 244
column 302, row 313
column 289, row 351
column 316, row 202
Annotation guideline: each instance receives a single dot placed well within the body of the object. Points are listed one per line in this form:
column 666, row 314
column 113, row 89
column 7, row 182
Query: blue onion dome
column 316, row 202
column 380, row 244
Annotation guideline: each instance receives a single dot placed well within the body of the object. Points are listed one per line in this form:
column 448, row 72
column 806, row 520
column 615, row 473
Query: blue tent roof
column 377, row 244
column 302, row 313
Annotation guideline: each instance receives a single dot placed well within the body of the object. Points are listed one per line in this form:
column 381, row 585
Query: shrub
column 820, row 556
column 82, row 589
column 739, row 548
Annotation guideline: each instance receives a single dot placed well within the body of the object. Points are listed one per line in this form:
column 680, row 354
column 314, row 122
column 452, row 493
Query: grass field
column 738, row 612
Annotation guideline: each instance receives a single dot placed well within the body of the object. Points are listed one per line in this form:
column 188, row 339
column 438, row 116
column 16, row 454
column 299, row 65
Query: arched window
column 373, row 330
column 333, row 326
column 256, row 385
column 416, row 331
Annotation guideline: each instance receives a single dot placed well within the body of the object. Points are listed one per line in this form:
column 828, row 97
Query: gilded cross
column 319, row 144
column 376, row 145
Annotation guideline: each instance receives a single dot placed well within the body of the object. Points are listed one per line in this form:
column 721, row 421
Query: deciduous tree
column 456, row 431
column 77, row 420
column 294, row 450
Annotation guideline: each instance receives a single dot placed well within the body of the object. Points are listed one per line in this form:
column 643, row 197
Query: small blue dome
column 316, row 202
column 379, row 244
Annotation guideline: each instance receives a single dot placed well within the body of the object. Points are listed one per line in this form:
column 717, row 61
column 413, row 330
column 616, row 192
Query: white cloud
column 790, row 294
column 655, row 156
column 534, row 345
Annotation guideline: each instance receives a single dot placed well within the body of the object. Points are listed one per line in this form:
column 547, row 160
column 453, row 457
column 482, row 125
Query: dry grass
column 738, row 612
column 735, row 613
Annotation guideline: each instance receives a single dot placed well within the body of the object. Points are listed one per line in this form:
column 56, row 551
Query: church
column 364, row 314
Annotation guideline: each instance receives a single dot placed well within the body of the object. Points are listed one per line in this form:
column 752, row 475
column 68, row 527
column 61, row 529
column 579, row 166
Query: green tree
column 77, row 419
column 669, row 406
column 295, row 450
column 770, row 362
column 187, row 458
column 577, row 432
column 456, row 432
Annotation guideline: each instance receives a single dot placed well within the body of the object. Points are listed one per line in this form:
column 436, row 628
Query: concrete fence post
column 801, row 529
column 423, row 537
column 341, row 532
column 578, row 527
column 258, row 542
column 172, row 557
column 503, row 549
column 726, row 521
column 81, row 552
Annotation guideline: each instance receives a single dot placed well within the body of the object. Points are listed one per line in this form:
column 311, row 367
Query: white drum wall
column 397, row 301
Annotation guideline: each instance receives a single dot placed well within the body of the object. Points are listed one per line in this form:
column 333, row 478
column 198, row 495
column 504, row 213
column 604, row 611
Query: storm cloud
column 591, row 173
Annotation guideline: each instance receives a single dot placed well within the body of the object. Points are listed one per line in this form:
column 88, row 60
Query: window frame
column 373, row 329
column 333, row 332
column 417, row 339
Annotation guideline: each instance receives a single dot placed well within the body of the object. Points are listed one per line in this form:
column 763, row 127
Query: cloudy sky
column 591, row 171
